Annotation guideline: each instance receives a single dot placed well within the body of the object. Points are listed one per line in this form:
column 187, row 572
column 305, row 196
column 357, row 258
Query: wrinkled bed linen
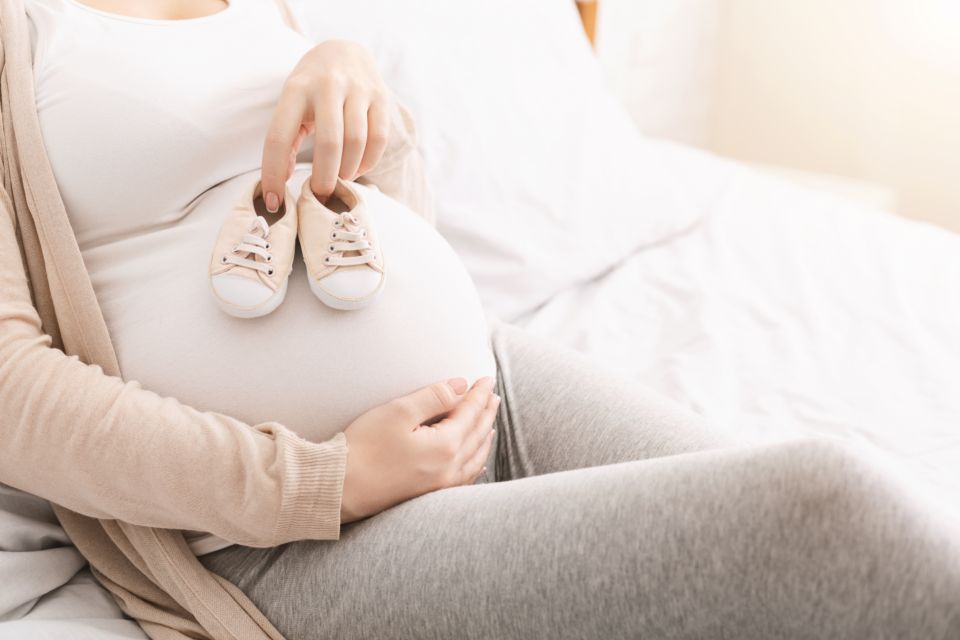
column 46, row 593
column 788, row 312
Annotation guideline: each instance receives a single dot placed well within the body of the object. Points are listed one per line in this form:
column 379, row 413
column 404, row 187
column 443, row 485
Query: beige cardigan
column 126, row 468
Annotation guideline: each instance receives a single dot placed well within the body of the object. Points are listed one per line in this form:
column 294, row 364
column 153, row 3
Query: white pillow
column 541, row 179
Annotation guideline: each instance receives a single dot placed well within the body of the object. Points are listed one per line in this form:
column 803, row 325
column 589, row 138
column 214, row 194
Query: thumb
column 437, row 399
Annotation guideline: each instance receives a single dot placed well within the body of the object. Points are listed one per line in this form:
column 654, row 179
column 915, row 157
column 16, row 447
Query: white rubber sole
column 341, row 304
column 262, row 309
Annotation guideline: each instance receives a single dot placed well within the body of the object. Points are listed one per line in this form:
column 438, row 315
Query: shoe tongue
column 260, row 224
column 351, row 223
column 257, row 226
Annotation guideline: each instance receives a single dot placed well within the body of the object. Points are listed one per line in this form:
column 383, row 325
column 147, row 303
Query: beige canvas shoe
column 344, row 261
column 253, row 256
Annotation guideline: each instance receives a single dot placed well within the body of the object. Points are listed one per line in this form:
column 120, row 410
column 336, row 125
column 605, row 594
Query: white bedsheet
column 787, row 312
column 46, row 593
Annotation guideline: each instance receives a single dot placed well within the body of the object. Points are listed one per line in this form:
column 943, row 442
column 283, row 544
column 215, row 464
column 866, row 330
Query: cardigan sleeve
column 400, row 173
column 110, row 449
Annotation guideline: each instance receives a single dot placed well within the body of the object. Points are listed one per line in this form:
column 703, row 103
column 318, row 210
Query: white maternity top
column 154, row 128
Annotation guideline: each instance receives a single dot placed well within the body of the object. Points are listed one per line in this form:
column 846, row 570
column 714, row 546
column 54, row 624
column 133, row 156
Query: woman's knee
column 826, row 459
column 820, row 478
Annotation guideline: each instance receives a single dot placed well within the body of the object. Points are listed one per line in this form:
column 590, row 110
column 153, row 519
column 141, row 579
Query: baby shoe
column 253, row 256
column 344, row 261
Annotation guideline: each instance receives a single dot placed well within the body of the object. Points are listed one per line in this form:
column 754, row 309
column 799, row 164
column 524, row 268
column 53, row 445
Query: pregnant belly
column 306, row 366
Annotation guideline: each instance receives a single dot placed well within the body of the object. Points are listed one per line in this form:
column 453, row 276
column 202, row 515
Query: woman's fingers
column 354, row 136
column 283, row 138
column 336, row 94
column 476, row 436
column 328, row 144
column 476, row 464
column 476, row 447
column 462, row 419
column 305, row 130
column 378, row 135
column 429, row 402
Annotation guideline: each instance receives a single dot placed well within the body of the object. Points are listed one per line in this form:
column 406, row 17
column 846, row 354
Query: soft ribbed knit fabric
column 127, row 468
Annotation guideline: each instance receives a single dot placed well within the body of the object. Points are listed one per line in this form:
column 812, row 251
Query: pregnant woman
column 389, row 472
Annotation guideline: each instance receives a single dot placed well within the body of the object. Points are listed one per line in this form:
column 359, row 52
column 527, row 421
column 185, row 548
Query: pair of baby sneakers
column 253, row 256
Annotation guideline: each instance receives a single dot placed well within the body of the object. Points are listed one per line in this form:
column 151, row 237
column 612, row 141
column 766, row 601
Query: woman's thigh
column 562, row 411
column 797, row 540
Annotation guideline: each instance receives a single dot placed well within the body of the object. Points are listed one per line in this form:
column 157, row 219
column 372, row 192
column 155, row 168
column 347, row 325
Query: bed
column 776, row 311
column 787, row 313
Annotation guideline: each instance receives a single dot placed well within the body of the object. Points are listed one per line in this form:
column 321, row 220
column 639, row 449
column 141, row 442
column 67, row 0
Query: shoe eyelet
column 223, row 259
column 270, row 272
column 337, row 223
column 326, row 260
column 268, row 246
column 331, row 249
column 364, row 233
column 333, row 236
column 269, row 258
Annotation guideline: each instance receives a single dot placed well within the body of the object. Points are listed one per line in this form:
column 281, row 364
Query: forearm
column 110, row 449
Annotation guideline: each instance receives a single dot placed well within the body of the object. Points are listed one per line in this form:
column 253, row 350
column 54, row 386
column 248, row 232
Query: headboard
column 588, row 13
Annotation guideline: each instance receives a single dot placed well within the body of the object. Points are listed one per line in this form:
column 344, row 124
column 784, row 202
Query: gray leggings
column 678, row 535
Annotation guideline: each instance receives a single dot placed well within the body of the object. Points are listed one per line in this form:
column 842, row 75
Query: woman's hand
column 336, row 94
column 401, row 450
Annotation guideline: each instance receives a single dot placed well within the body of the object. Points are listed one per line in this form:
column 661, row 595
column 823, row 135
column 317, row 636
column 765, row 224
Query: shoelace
column 349, row 236
column 255, row 242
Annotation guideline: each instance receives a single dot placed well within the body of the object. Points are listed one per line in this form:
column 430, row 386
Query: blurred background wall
column 856, row 95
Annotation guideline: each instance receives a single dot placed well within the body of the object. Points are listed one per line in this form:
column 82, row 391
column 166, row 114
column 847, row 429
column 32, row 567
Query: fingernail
column 459, row 385
column 272, row 201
